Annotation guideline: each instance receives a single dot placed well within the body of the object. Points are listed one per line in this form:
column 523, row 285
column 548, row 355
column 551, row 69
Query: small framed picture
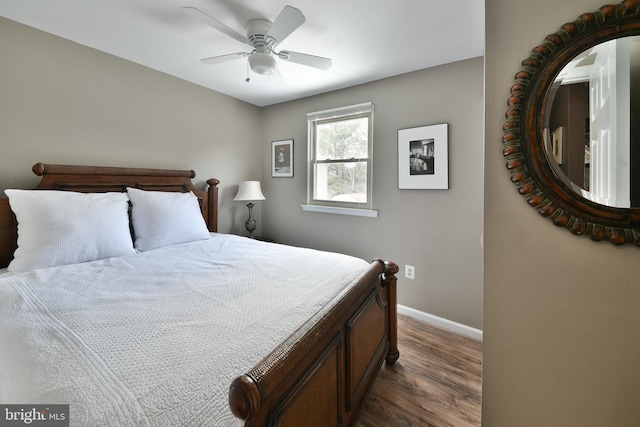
column 282, row 158
column 423, row 158
column 556, row 145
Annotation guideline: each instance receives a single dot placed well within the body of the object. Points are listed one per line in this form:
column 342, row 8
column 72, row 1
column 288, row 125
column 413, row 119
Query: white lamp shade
column 249, row 190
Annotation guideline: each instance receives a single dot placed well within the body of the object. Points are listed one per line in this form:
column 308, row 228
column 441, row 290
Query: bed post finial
column 244, row 397
column 39, row 169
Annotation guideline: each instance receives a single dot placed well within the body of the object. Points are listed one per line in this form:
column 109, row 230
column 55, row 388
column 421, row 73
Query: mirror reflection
column 592, row 123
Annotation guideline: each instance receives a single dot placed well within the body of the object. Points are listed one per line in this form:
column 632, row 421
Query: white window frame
column 339, row 207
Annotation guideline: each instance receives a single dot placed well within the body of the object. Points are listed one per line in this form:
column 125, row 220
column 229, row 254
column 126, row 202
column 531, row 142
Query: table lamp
column 249, row 191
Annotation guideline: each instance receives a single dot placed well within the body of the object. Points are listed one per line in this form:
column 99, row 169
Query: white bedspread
column 155, row 339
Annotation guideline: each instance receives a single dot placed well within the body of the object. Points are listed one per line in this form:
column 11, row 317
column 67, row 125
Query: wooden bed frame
column 321, row 374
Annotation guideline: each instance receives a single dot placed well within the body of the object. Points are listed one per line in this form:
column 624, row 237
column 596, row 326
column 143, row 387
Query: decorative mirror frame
column 523, row 142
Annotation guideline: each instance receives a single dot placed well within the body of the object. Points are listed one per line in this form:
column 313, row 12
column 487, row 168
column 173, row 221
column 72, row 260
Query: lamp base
column 250, row 224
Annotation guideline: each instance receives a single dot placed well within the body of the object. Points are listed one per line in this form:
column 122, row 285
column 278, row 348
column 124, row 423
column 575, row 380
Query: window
column 340, row 159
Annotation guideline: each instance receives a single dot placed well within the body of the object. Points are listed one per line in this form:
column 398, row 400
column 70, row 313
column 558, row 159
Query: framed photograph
column 282, row 158
column 423, row 158
column 556, row 145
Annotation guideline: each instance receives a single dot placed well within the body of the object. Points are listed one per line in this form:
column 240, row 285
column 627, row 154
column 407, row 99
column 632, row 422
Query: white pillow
column 66, row 227
column 163, row 218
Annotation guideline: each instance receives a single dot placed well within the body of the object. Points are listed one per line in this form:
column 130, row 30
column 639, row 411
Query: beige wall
column 65, row 103
column 437, row 231
column 561, row 313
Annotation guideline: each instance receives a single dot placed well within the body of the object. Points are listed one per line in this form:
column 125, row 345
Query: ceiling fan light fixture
column 262, row 63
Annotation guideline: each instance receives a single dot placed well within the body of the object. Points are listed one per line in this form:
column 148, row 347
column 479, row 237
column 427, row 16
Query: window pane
column 344, row 139
column 341, row 182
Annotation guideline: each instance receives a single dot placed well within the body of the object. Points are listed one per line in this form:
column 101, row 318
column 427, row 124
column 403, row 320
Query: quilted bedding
column 155, row 338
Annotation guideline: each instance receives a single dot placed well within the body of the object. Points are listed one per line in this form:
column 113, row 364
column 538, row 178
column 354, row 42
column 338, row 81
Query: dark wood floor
column 436, row 382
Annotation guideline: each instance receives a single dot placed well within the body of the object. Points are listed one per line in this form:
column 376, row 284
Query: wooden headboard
column 98, row 179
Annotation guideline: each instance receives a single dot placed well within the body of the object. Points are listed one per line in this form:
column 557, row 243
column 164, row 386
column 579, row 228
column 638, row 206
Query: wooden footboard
column 322, row 373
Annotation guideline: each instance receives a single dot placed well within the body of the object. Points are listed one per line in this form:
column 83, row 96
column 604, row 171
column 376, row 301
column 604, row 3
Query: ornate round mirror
column 572, row 135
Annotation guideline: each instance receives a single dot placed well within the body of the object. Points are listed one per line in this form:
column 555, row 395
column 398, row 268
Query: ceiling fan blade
column 305, row 59
column 224, row 58
column 212, row 22
column 286, row 23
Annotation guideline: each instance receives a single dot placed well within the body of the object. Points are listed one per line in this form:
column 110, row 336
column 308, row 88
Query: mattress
column 155, row 338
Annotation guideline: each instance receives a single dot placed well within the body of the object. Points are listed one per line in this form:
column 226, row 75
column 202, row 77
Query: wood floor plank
column 435, row 383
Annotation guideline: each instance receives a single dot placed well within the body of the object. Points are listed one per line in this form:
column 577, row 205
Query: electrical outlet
column 409, row 272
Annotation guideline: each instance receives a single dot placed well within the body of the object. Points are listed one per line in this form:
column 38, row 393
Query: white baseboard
column 442, row 323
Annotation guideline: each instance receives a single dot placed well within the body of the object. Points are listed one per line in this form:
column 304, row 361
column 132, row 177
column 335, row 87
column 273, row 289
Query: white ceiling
column 366, row 39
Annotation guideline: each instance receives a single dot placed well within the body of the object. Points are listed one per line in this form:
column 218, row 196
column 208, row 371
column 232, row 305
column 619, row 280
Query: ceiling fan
column 263, row 37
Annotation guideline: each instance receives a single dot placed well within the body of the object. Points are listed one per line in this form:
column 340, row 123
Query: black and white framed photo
column 282, row 158
column 423, row 159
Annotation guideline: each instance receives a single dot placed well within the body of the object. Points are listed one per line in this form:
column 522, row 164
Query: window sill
column 340, row 211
